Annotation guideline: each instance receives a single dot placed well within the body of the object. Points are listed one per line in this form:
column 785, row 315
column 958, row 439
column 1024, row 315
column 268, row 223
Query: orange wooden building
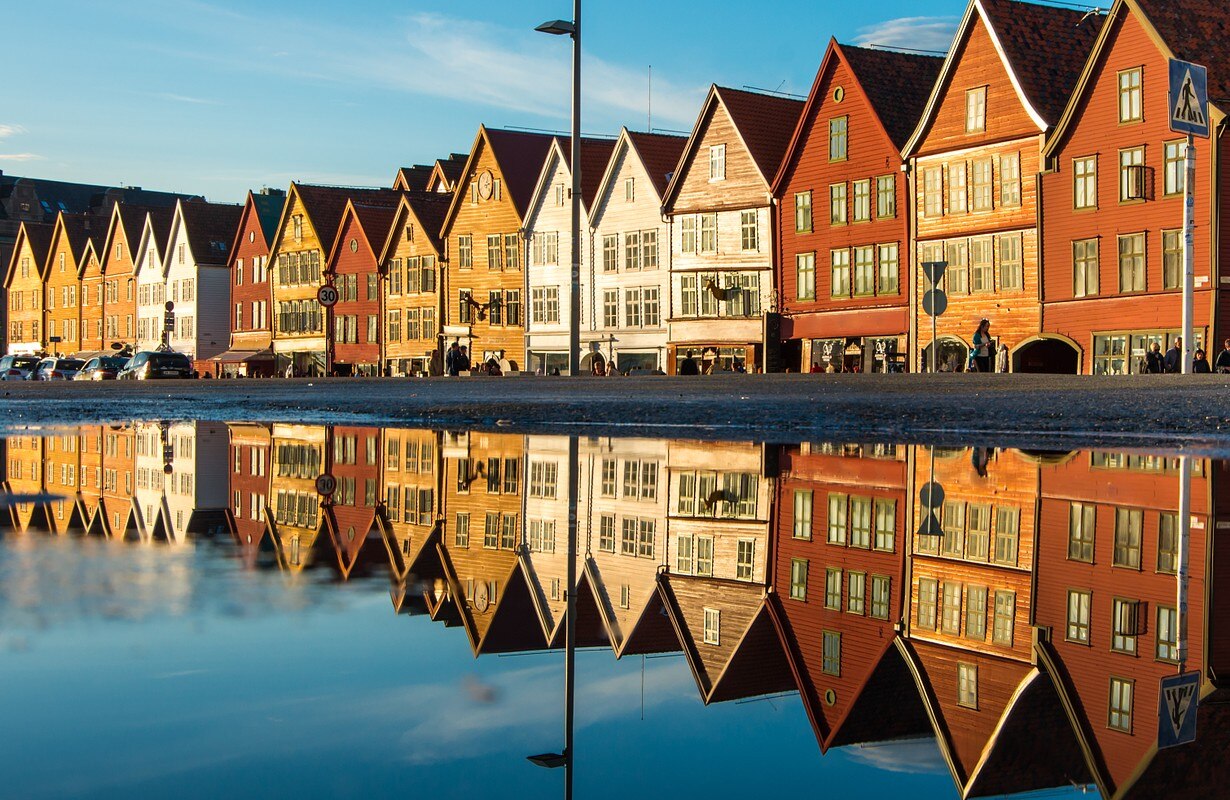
column 974, row 160
column 412, row 271
column 843, row 232
column 23, row 283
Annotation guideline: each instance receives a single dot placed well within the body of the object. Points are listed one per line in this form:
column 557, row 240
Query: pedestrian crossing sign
column 1189, row 98
column 1177, row 704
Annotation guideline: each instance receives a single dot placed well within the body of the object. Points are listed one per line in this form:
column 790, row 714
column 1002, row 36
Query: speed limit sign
column 326, row 484
column 327, row 295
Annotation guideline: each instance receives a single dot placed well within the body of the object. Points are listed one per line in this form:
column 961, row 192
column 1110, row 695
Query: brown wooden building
column 91, row 277
column 843, row 229
column 120, row 252
column 250, row 353
column 1113, row 196
column 412, row 272
column 249, row 469
column 62, row 282
column 23, row 284
column 352, row 266
column 485, row 290
column 974, row 160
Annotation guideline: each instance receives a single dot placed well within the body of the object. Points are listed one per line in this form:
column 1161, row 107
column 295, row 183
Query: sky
column 218, row 96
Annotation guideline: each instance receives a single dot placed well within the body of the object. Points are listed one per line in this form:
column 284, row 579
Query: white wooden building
column 198, row 277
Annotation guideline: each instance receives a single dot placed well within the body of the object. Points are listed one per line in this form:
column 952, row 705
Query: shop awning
column 242, row 356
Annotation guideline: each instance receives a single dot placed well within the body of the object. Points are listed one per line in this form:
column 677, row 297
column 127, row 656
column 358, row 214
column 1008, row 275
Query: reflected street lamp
column 560, row 27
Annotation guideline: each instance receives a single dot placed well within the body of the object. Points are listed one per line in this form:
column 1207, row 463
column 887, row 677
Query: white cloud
column 7, row 130
column 183, row 98
column 20, row 157
column 920, row 756
column 914, row 33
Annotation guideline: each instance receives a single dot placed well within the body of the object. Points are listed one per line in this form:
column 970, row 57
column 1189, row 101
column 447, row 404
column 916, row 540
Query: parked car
column 152, row 364
column 56, row 368
column 17, row 368
column 101, row 368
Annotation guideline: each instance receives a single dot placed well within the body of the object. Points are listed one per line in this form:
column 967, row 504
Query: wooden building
column 411, row 501
column 626, row 285
column 25, row 476
column 23, row 285
column 548, row 258
column 62, row 463
column 843, row 285
column 297, row 529
column 120, row 251
column 91, row 278
column 90, row 479
column 485, row 292
column 250, row 353
column 118, row 467
column 198, row 279
column 412, row 273
column 721, row 210
column 305, row 232
column 62, row 283
column 1113, row 197
column 973, row 164
column 248, row 486
column 352, row 267
column 149, row 267
column 446, row 172
column 355, row 461
column 196, row 490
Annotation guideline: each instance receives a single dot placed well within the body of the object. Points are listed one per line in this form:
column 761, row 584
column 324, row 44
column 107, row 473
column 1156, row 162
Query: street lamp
column 560, row 27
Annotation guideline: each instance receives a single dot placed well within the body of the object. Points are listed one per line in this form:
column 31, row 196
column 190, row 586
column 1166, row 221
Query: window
column 831, row 665
column 950, row 614
column 704, row 555
column 687, row 235
column 608, row 487
column 802, row 514
column 976, row 110
column 1005, row 614
column 838, row 508
column 1080, row 532
column 1079, row 604
column 713, row 626
column 610, row 308
column 864, row 271
column 1132, row 263
column 1010, row 180
column 839, row 285
column 1007, row 532
column 967, row 685
column 1085, row 180
column 1128, row 524
column 885, row 524
column 627, row 539
column 1120, row 716
column 838, row 138
column 1130, row 108
column 1167, row 634
column 1125, row 623
column 976, row 613
column 978, row 532
column 862, row 201
column 837, row 204
column 805, row 276
column 543, row 476
column 1085, row 267
column 890, row 270
column 629, row 190
column 461, row 533
column 832, row 589
column 745, row 559
column 984, row 184
column 880, row 596
column 708, row 233
column 802, row 212
column 1168, row 544
column 683, row 552
column 1175, row 179
column 956, row 277
column 465, row 252
column 749, row 231
column 632, row 308
column 957, row 197
column 512, row 250
column 512, row 307
column 860, row 522
column 927, row 588
column 1132, row 174
column 982, row 264
column 717, row 163
column 933, row 192
column 1172, row 259
column 606, row 534
column 798, row 579
column 886, row 196
column 610, row 252
column 495, row 252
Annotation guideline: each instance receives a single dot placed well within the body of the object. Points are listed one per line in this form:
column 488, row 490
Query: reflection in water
column 1027, row 640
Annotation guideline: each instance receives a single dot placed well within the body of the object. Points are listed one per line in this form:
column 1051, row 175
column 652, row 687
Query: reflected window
column 832, row 653
column 1128, row 524
column 1007, row 534
column 927, row 590
column 860, row 522
column 1120, row 716
column 886, row 524
column 1081, row 518
column 832, row 589
column 745, row 563
column 704, row 555
column 798, row 579
column 976, row 613
column 1005, row 614
column 856, row 593
column 838, row 509
column 967, row 685
column 1168, row 544
column 802, row 514
column 1167, row 634
column 713, row 626
column 461, row 534
column 1126, row 626
column 978, row 535
column 881, row 592
column 951, row 615
column 683, row 552
column 951, row 543
column 606, row 534
column 1078, row 616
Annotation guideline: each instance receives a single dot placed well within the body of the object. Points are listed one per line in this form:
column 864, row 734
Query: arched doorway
column 952, row 356
column 1049, row 356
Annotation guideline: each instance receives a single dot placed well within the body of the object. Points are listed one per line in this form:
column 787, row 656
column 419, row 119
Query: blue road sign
column 1176, row 711
column 1189, row 98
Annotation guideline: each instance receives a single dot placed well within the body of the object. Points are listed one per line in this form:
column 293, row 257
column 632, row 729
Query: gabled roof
column 1191, row 30
column 519, row 155
column 92, row 245
column 374, row 224
column 595, row 159
column 210, row 230
column 158, row 228
column 127, row 221
column 324, row 205
column 428, row 210
column 39, row 237
column 266, row 209
column 658, row 154
column 413, row 178
column 76, row 228
column 447, row 172
column 81, row 198
column 1043, row 50
column 764, row 123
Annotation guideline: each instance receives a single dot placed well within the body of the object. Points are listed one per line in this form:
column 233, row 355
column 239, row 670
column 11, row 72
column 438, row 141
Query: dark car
column 101, row 368
column 153, row 364
column 17, row 368
column 54, row 368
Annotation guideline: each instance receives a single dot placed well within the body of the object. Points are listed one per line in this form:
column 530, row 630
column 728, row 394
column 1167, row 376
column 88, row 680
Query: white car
column 54, row 368
column 17, row 368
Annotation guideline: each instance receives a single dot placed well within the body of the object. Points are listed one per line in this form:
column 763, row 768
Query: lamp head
column 557, row 27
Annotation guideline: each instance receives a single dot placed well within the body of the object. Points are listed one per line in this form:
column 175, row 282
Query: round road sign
column 326, row 484
column 931, row 495
column 935, row 302
column 169, row 306
column 327, row 295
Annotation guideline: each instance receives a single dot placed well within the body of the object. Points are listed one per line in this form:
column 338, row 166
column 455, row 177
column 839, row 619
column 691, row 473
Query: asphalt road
column 1148, row 411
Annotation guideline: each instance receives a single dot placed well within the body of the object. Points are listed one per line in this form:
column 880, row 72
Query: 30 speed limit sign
column 327, row 295
column 326, row 484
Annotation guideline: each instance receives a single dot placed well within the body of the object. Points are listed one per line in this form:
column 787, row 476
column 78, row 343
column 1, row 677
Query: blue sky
column 218, row 96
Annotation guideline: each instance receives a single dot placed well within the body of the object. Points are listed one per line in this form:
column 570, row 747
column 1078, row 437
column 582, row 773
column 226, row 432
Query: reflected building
column 410, row 515
column 62, row 463
column 115, row 519
column 350, row 512
column 249, row 482
column 90, row 479
column 298, row 459
column 24, row 479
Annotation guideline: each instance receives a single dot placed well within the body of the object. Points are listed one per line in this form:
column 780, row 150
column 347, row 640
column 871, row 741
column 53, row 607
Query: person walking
column 462, row 362
column 688, row 367
column 1222, row 364
column 1155, row 363
column 983, row 345
column 1173, row 363
column 1200, row 364
column 450, row 360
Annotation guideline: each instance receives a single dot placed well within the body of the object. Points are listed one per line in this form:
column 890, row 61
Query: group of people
column 690, row 366
column 457, row 361
column 1171, row 362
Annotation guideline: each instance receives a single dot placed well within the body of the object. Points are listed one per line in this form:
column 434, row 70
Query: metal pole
column 574, row 304
column 1181, row 556
column 1189, row 252
column 570, row 616
column 934, row 346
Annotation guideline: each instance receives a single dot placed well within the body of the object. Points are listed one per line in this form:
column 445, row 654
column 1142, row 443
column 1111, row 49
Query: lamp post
column 560, row 27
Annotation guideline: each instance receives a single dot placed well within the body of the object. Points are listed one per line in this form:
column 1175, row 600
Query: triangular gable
column 446, row 172
column 90, row 251
column 626, row 147
column 1050, row 663
column 322, row 208
column 515, row 626
column 653, row 632
column 374, row 223
column 412, row 179
column 155, row 236
column 38, row 236
column 70, row 236
column 517, row 169
column 591, row 628
column 261, row 210
column 423, row 210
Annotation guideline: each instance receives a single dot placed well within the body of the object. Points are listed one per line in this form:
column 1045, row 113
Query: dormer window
column 717, row 163
column 839, row 138
column 976, row 110
column 1130, row 109
column 630, row 188
column 297, row 224
column 409, row 233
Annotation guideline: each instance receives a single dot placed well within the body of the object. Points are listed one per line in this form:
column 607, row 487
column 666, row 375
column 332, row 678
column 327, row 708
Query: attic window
column 251, row 236
column 713, row 626
column 976, row 110
column 839, row 94
column 717, row 163
column 409, row 233
column 354, row 245
column 559, row 194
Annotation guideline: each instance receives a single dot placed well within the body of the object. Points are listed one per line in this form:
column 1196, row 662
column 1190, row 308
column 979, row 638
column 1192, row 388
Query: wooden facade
column 23, row 284
column 411, row 499
column 973, row 163
column 25, row 475
column 119, row 275
column 118, row 467
column 297, row 526
column 151, row 279
column 198, row 280
column 249, row 463
column 842, row 246
column 355, row 461
column 91, row 277
column 250, row 353
column 412, row 273
column 352, row 267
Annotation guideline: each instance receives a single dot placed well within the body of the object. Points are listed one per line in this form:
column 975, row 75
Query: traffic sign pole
column 1183, row 576
column 1189, row 253
column 1189, row 114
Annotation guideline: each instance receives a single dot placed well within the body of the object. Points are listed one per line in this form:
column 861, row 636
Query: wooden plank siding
column 24, row 286
column 413, row 245
column 299, row 454
column 91, row 275
column 1095, row 130
column 251, row 308
column 249, row 481
column 353, row 260
column 25, row 476
column 355, row 461
column 119, row 276
column 119, row 480
column 411, row 470
column 62, row 309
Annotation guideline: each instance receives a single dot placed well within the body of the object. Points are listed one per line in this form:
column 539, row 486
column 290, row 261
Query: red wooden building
column 353, row 327
column 250, row 469
column 842, row 256
column 1113, row 195
column 250, row 353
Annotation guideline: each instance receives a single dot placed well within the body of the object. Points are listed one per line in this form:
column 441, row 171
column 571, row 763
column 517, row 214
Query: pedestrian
column 1173, row 363
column 290, row 370
column 688, row 367
column 611, row 371
column 816, row 368
column 450, row 359
column 597, row 366
column 1200, row 364
column 1155, row 363
column 1001, row 360
column 983, row 345
column 493, row 365
column 1222, row 363
column 462, row 362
